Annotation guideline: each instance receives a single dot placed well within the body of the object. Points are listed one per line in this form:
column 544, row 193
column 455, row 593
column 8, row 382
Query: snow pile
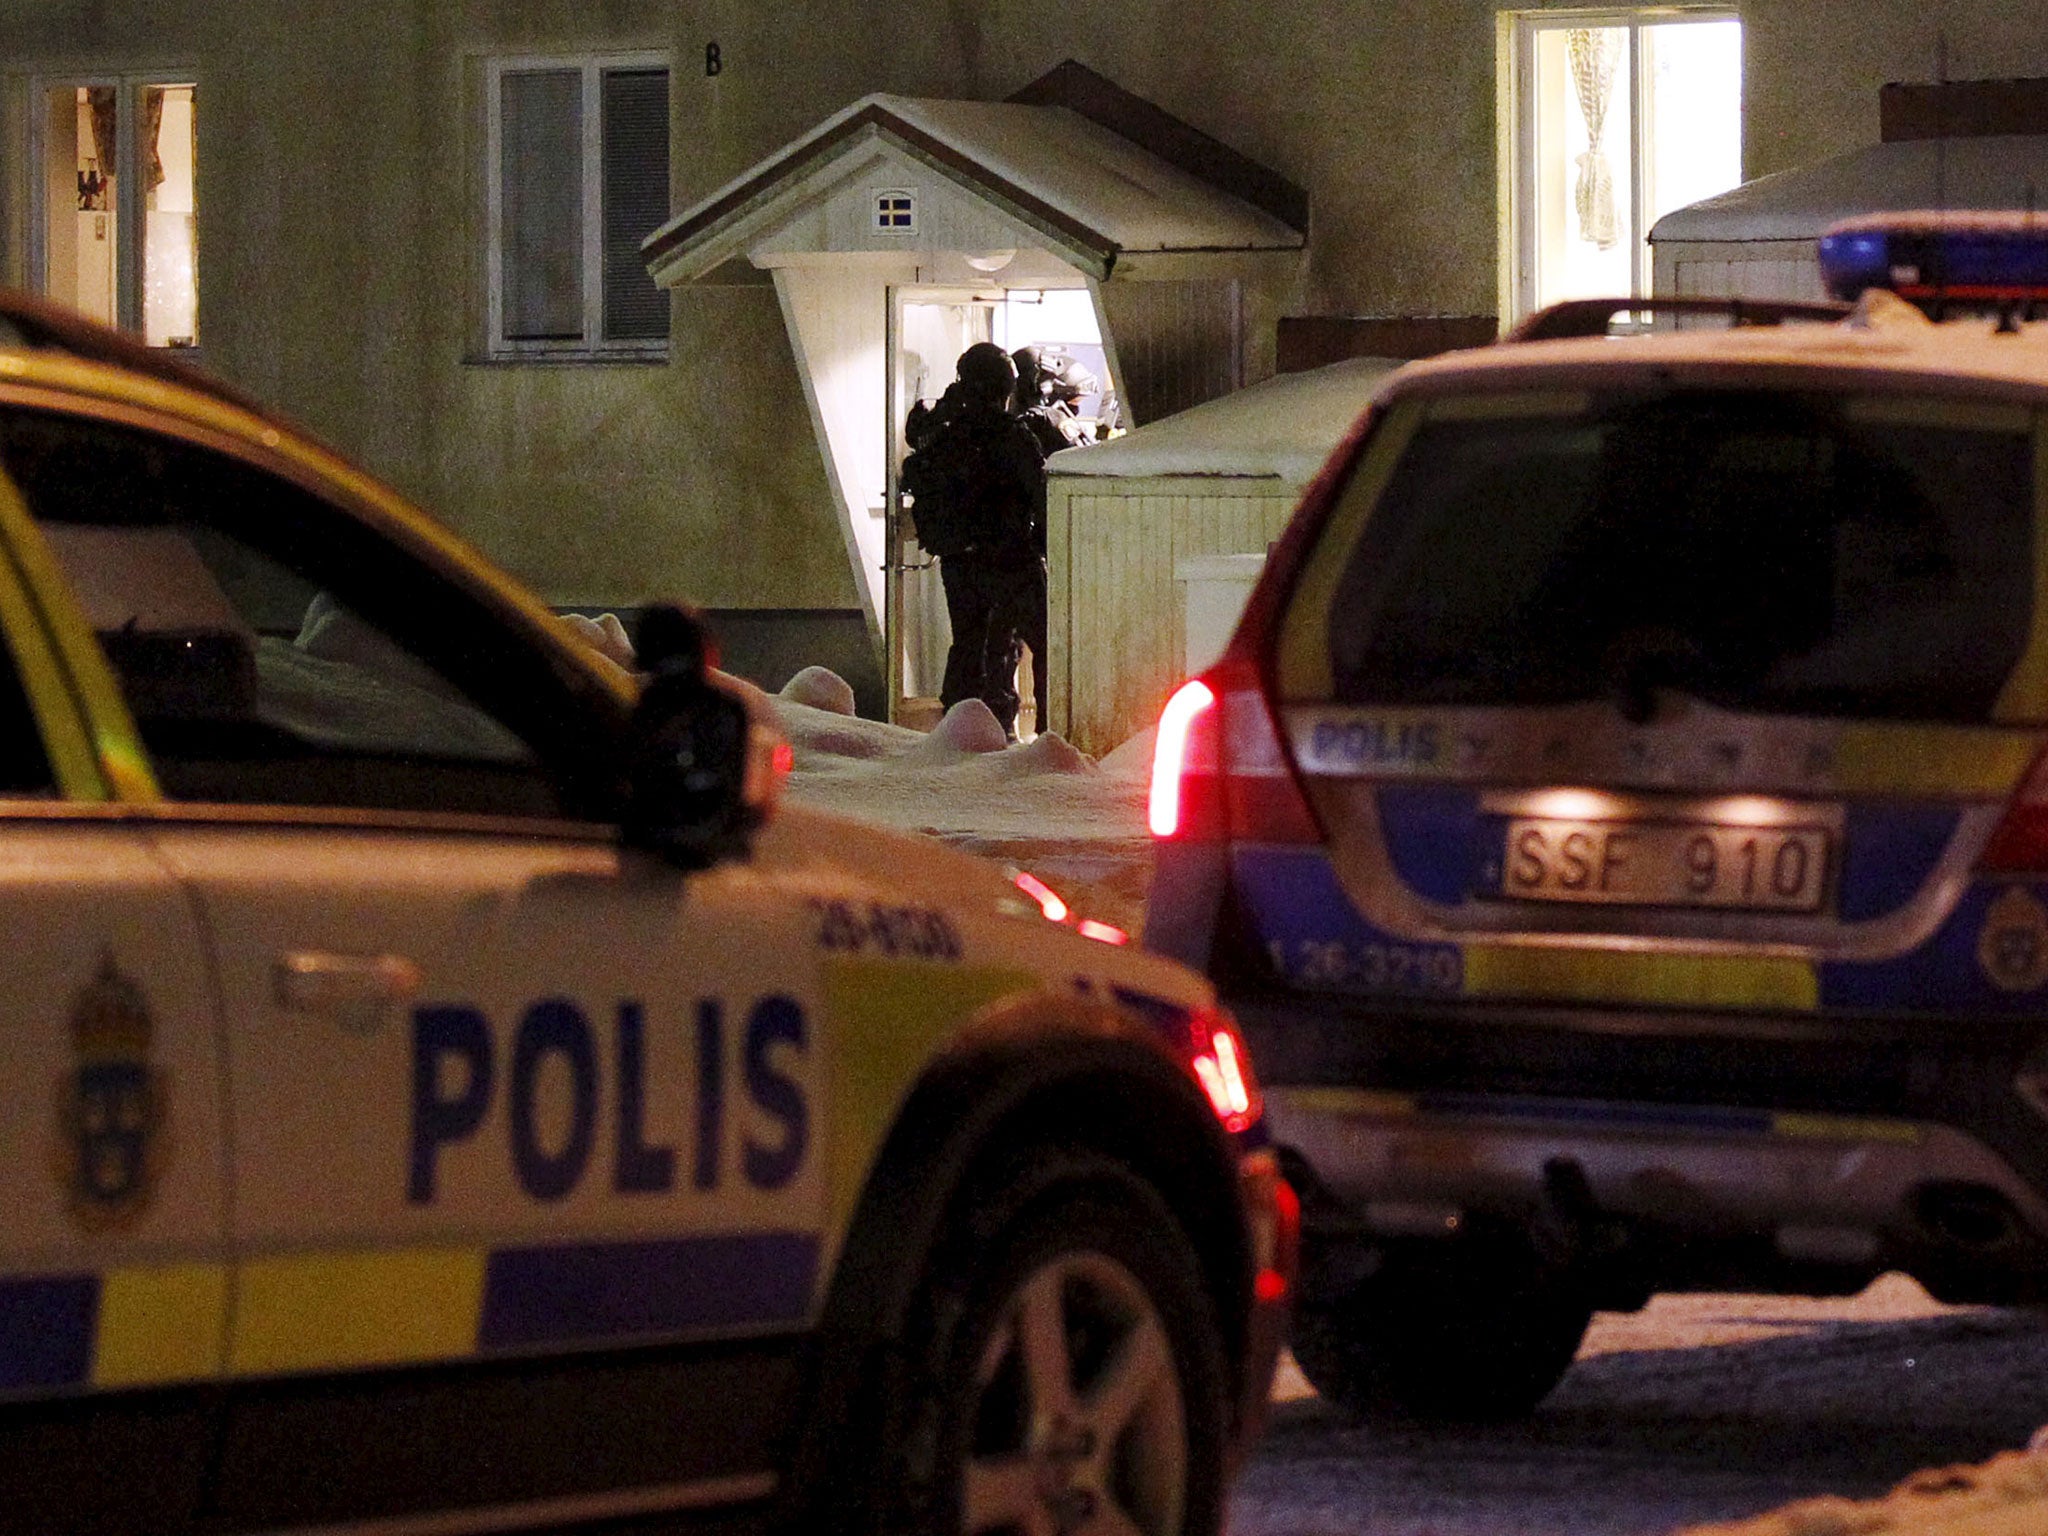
column 2005, row 1496
column 1043, row 805
column 820, row 688
column 961, row 780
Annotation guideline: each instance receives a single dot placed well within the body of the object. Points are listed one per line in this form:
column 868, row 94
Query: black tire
column 1476, row 1329
column 1073, row 1247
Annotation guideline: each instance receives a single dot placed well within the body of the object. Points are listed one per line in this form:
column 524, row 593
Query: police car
column 1620, row 821
column 443, row 1091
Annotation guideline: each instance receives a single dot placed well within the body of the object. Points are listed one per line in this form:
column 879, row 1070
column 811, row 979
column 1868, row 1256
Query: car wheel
column 1070, row 1374
column 1475, row 1329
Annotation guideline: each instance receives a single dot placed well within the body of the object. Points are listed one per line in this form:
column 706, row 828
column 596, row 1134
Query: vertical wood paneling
column 1177, row 343
column 1059, row 504
column 1118, row 611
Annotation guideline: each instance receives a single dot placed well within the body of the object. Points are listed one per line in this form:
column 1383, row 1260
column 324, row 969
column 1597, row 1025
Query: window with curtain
column 1621, row 117
column 117, row 237
column 579, row 177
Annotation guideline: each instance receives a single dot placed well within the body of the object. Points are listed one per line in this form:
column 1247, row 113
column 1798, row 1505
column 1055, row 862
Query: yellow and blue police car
column 1620, row 822
column 444, row 1092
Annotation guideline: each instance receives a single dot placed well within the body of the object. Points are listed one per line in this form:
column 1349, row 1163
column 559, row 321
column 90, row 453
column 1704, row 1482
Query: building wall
column 341, row 232
column 340, row 216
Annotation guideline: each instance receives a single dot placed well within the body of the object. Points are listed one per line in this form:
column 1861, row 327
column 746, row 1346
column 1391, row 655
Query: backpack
column 934, row 479
column 961, row 490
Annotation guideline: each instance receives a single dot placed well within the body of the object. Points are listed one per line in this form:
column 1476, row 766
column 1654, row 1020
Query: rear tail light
column 1224, row 1069
column 1219, row 771
column 1184, row 761
column 2020, row 842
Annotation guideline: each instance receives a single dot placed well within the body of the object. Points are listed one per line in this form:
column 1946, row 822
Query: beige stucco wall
column 340, row 232
column 340, row 219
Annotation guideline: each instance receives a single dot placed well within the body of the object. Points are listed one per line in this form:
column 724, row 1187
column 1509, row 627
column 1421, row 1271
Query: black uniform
column 977, row 483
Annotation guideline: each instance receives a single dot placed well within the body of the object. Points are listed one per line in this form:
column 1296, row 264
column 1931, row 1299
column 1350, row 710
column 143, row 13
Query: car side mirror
column 694, row 794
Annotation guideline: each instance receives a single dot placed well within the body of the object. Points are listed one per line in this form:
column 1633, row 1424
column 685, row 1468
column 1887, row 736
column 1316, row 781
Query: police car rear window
column 1764, row 551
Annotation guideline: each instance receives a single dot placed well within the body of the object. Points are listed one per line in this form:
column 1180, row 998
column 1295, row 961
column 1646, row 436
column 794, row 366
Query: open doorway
column 1619, row 118
column 930, row 328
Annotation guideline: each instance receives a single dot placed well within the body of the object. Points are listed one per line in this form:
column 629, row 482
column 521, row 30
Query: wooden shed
column 1123, row 516
column 1966, row 144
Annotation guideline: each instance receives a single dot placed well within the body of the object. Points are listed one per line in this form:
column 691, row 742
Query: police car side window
column 271, row 648
column 24, row 769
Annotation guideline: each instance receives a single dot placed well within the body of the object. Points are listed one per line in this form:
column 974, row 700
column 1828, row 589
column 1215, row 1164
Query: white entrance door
column 929, row 329
column 932, row 327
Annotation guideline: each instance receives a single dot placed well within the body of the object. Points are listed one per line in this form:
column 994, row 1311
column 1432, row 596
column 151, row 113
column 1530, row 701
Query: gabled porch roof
column 1096, row 174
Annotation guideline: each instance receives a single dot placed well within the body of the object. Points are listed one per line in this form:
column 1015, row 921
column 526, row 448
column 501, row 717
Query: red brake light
column 1224, row 1070
column 1173, row 757
column 1220, row 772
column 2021, row 839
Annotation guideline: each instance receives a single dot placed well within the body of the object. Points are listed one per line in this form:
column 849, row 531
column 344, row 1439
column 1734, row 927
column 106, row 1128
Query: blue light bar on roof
column 1959, row 258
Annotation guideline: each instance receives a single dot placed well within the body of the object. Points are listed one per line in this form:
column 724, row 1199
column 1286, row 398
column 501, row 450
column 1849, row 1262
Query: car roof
column 1954, row 358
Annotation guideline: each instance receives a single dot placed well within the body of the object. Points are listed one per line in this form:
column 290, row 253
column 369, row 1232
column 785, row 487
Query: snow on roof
column 2002, row 171
column 1051, row 165
column 1098, row 178
column 1283, row 428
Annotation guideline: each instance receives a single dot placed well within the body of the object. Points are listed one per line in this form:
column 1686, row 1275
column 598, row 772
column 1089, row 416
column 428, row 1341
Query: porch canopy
column 1184, row 247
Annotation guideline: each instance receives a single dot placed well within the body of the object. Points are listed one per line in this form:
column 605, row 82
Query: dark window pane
column 635, row 200
column 1764, row 552
column 24, row 770
column 541, row 172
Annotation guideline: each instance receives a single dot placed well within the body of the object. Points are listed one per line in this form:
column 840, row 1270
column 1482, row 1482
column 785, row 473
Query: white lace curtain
column 1595, row 55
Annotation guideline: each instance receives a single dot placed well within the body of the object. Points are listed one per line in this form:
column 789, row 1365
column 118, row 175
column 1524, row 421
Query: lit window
column 1621, row 117
column 579, row 151
column 119, row 195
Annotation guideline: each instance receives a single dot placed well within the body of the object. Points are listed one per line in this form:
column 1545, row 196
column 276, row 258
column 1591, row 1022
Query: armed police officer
column 976, row 477
column 1050, row 384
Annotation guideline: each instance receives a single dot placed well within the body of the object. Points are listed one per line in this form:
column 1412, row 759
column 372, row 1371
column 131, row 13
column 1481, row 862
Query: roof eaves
column 1093, row 251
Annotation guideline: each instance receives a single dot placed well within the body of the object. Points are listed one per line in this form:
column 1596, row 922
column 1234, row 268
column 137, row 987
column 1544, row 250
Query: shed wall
column 1115, row 612
column 1743, row 269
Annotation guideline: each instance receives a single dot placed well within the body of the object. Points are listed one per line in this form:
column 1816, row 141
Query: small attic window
column 896, row 210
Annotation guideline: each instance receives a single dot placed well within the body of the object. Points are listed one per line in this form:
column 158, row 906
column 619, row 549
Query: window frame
column 592, row 346
column 569, row 753
column 129, row 84
column 1520, row 225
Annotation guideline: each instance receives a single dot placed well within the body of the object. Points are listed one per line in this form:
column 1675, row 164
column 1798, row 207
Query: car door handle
column 357, row 989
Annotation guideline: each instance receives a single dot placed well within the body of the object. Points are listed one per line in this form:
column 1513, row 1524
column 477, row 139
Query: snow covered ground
column 1076, row 823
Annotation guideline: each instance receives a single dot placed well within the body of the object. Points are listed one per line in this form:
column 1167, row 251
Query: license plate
column 1666, row 863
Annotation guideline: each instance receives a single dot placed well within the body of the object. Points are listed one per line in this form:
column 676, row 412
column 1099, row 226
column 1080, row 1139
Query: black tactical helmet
column 1048, row 373
column 987, row 372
